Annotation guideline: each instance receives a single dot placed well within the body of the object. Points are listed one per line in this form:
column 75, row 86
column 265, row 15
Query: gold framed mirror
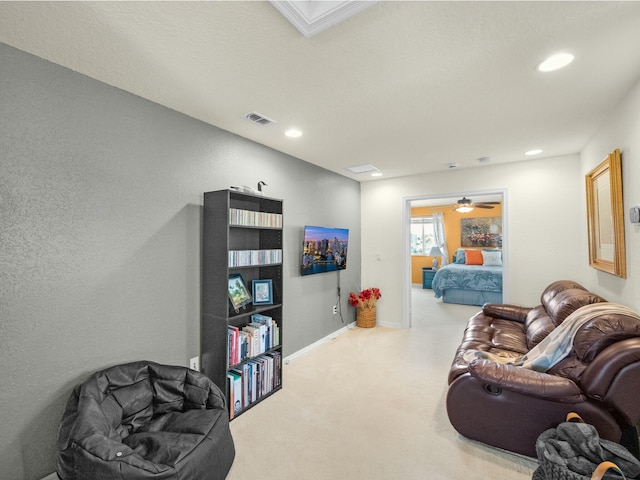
column 605, row 216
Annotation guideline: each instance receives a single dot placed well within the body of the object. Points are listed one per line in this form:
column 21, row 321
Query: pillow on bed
column 473, row 257
column 460, row 258
column 493, row 258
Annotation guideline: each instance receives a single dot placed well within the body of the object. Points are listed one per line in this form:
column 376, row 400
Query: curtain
column 441, row 241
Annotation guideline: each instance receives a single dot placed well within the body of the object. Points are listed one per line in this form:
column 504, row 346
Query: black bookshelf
column 240, row 223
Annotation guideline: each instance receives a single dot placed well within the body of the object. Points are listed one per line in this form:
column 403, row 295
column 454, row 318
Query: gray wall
column 101, row 209
column 620, row 130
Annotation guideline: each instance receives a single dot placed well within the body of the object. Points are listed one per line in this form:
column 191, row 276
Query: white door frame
column 406, row 237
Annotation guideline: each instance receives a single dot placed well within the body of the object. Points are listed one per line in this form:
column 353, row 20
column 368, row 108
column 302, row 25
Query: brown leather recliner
column 508, row 406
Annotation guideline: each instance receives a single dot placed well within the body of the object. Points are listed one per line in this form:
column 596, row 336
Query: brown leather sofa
column 508, row 406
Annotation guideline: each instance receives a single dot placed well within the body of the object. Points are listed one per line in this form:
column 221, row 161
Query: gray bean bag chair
column 145, row 421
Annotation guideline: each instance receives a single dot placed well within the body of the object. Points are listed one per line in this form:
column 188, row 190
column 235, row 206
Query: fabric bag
column 574, row 451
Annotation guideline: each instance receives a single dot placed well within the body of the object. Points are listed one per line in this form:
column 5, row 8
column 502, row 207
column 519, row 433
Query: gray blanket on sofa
column 559, row 343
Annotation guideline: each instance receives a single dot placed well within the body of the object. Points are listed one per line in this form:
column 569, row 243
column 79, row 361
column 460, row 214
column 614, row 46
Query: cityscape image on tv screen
column 324, row 249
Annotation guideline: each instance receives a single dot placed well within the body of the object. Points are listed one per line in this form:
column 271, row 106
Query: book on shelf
column 238, row 389
column 232, row 344
column 230, row 398
column 260, row 364
column 247, row 384
column 273, row 331
column 248, row 258
column 265, row 327
column 259, row 331
column 253, row 380
column 253, row 336
column 277, row 364
column 251, row 218
column 235, row 393
column 243, row 343
column 241, row 346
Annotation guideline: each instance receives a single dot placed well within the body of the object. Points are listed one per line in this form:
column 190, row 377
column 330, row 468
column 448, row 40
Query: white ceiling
column 406, row 86
column 451, row 201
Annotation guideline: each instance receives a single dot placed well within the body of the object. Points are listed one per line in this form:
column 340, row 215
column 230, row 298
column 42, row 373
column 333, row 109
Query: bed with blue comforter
column 468, row 284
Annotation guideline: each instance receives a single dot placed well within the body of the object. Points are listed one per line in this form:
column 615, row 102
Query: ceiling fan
column 465, row 205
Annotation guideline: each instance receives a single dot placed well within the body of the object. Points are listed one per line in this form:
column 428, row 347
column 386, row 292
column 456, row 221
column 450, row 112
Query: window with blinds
column 422, row 237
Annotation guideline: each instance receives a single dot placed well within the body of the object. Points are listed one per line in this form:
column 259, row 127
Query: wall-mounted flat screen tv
column 324, row 249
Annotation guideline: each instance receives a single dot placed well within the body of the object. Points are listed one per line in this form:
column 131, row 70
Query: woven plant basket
column 366, row 317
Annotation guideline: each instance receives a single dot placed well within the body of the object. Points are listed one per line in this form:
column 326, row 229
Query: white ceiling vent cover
column 258, row 118
column 362, row 168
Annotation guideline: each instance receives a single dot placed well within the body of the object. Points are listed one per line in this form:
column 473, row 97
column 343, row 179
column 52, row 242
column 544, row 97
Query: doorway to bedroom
column 436, row 227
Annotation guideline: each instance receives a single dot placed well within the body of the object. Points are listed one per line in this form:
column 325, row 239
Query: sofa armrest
column 525, row 381
column 507, row 312
column 611, row 373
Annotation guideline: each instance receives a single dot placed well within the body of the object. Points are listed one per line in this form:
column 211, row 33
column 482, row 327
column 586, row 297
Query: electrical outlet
column 194, row 364
column 335, row 309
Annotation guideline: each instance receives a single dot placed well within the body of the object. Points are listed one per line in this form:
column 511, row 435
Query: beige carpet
column 370, row 405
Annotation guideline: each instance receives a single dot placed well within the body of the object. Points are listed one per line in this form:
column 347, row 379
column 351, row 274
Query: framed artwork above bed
column 481, row 232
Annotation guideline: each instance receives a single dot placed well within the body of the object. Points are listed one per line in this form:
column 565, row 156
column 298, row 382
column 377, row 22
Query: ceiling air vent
column 255, row 117
column 362, row 168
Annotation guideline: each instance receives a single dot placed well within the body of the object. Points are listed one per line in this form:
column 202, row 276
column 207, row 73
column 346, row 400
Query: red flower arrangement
column 366, row 299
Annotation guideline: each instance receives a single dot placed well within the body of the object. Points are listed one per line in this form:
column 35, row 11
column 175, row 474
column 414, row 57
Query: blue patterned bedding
column 467, row 277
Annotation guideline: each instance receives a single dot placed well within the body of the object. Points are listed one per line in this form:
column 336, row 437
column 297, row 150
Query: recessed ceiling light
column 293, row 133
column 376, row 174
column 533, row 152
column 555, row 62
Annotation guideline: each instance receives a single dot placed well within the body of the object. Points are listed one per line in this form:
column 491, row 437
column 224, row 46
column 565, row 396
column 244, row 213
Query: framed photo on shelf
column 262, row 292
column 239, row 295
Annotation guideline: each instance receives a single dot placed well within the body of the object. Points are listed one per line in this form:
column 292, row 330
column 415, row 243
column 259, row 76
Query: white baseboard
column 302, row 352
column 390, row 325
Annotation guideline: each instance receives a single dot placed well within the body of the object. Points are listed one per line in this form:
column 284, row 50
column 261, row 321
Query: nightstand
column 427, row 277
